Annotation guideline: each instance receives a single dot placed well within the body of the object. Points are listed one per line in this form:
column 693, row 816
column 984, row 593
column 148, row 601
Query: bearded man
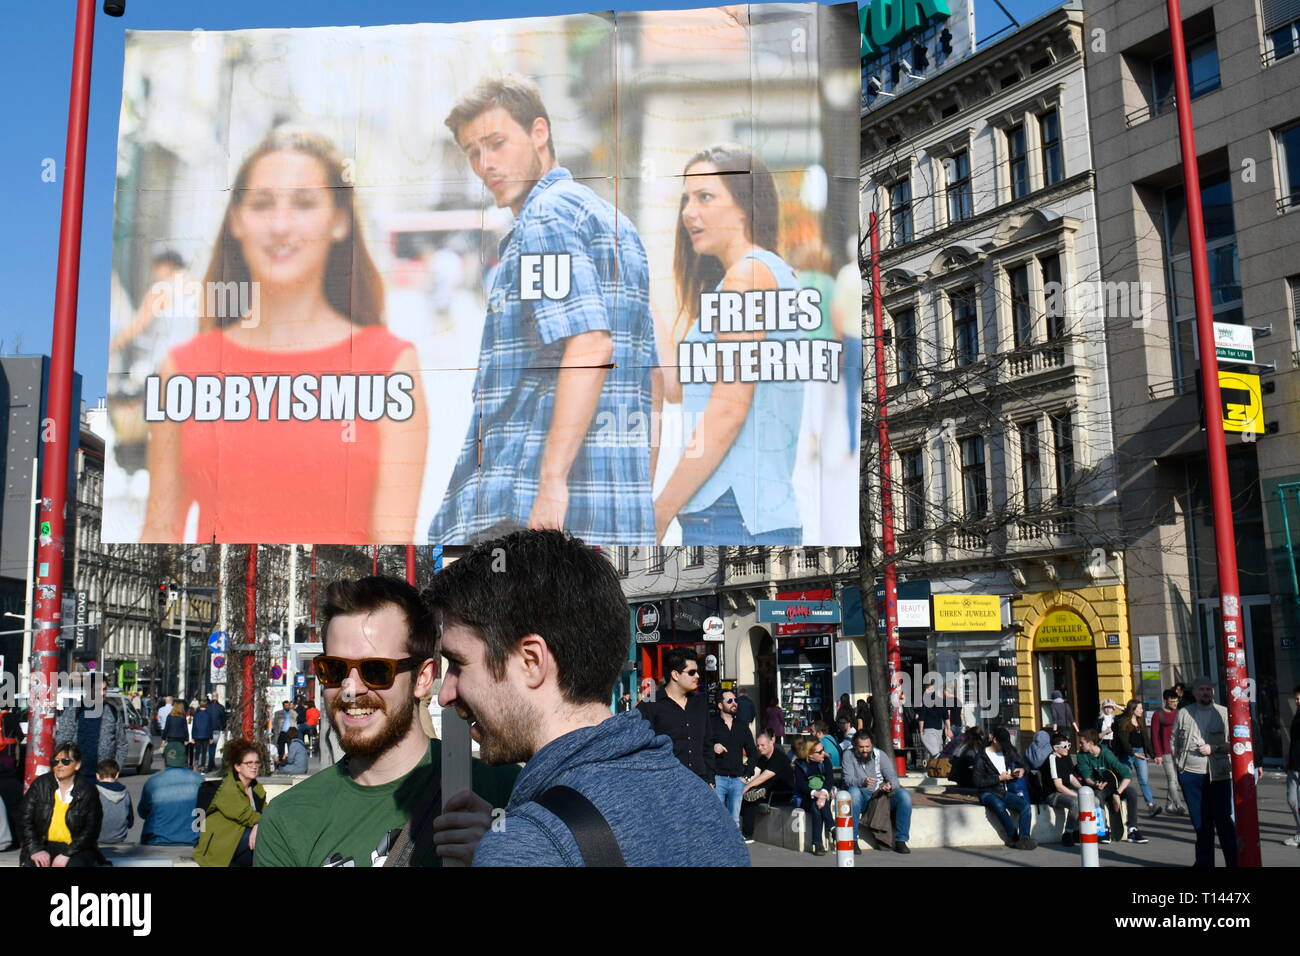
column 379, row 664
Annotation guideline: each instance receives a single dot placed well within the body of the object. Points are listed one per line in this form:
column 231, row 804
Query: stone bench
column 954, row 824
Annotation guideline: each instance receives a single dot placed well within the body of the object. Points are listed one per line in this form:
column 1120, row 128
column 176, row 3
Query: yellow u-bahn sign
column 1243, row 406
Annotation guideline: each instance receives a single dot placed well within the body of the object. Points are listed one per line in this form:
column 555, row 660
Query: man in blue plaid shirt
column 567, row 386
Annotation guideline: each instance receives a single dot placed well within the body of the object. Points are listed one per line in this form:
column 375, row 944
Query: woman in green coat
column 229, row 835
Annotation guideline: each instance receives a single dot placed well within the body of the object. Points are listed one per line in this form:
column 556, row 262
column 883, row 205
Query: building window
column 960, row 198
column 1053, row 296
column 1202, row 74
column 1063, row 449
column 965, row 327
column 913, row 490
column 621, row 562
column 1018, row 161
column 900, row 212
column 1031, row 466
column 974, row 481
column 905, row 344
column 1281, row 28
column 695, row 557
column 1225, row 273
column 1049, row 133
column 1022, row 315
column 656, row 562
column 1288, row 161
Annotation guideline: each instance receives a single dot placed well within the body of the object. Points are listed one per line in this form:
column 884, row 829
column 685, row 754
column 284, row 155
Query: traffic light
column 164, row 598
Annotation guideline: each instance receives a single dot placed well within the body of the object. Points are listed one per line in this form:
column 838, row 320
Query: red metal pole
column 315, row 635
column 48, row 599
column 410, row 565
column 250, row 639
column 887, row 508
column 1225, row 547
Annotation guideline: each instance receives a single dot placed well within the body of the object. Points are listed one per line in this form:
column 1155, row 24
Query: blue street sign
column 799, row 612
column 300, row 680
column 217, row 642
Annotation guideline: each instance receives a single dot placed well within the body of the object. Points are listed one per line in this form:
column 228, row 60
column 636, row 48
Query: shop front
column 1075, row 641
column 805, row 623
column 685, row 624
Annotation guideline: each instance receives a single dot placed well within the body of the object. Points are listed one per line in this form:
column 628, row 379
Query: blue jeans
column 900, row 805
column 1012, row 801
column 722, row 523
column 1139, row 768
column 1209, row 804
column 730, row 791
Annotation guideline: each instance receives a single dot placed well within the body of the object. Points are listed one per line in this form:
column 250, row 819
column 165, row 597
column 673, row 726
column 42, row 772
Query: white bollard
column 1088, row 855
column 846, row 837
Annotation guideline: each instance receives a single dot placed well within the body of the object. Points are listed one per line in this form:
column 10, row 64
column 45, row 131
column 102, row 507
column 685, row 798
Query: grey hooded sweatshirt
column 119, row 816
column 660, row 813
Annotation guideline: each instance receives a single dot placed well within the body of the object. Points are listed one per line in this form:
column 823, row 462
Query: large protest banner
column 433, row 282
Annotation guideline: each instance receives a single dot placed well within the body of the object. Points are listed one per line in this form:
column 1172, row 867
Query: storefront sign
column 913, row 613
column 713, row 628
column 967, row 612
column 1062, row 629
column 1242, row 401
column 886, row 23
column 799, row 612
column 647, row 623
column 1234, row 343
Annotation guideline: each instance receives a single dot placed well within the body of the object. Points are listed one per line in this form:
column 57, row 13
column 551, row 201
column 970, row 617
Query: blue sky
column 35, row 57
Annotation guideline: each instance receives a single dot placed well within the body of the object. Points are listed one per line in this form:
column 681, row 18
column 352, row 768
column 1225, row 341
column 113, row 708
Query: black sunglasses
column 377, row 673
column 64, row 761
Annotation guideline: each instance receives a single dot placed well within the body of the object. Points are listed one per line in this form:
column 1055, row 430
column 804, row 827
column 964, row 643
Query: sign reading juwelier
column 427, row 282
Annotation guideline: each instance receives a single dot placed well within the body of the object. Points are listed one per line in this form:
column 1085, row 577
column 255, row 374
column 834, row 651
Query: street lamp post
column 48, row 596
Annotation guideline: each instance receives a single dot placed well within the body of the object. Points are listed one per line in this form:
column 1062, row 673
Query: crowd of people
column 533, row 626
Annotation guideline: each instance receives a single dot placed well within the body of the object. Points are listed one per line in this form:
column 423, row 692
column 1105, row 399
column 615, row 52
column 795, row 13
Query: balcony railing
column 809, row 559
column 743, row 564
column 1039, row 358
column 1042, row 529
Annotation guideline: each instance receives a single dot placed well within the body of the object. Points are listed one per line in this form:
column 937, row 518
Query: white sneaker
column 1293, row 841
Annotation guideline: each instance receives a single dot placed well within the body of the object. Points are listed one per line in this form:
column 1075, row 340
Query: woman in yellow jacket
column 229, row 834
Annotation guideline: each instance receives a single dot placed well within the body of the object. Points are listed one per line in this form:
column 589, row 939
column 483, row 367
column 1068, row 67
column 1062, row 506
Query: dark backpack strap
column 412, row 844
column 588, row 825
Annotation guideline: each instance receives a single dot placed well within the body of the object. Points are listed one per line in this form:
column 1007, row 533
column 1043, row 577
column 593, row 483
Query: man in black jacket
column 996, row 766
column 680, row 713
column 61, row 816
column 729, row 740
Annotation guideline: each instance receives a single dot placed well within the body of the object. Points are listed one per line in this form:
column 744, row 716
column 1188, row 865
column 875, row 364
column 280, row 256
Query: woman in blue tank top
column 734, row 485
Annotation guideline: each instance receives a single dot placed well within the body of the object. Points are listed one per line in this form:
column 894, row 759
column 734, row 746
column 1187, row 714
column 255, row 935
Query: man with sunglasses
column 534, row 626
column 380, row 661
column 681, row 714
column 727, row 743
column 1061, row 785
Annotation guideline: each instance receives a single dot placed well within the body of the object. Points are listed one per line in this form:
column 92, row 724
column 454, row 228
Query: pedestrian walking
column 384, row 792
column 774, row 720
column 61, row 815
column 936, row 727
column 1162, row 728
column 169, row 800
column 1062, row 715
column 681, row 713
column 534, row 674
column 176, row 728
column 202, row 732
column 218, row 712
column 1132, row 744
column 312, row 740
column 230, row 822
column 1203, row 756
column 281, row 721
column 97, row 728
column 729, row 745
column 1106, row 722
column 1293, row 770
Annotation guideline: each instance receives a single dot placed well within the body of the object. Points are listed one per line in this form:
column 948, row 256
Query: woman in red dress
column 302, row 419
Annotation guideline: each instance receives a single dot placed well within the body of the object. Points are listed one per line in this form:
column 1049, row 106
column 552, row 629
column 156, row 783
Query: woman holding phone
column 321, row 427
column 736, row 486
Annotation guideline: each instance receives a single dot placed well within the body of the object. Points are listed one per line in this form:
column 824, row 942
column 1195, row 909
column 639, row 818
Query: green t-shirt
column 330, row 813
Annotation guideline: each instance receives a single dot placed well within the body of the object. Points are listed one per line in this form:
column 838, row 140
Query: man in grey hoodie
column 534, row 626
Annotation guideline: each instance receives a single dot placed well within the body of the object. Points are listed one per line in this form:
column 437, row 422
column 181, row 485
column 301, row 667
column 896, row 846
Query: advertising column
column 805, row 627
